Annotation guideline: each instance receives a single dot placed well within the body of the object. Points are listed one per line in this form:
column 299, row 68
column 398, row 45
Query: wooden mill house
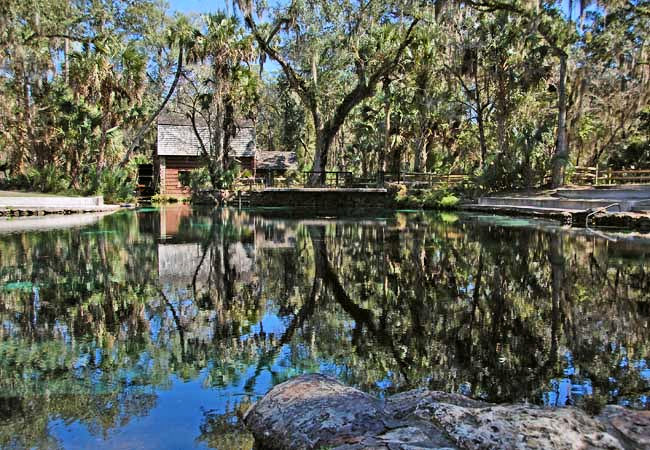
column 178, row 150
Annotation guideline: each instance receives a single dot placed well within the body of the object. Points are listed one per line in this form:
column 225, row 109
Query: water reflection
column 158, row 328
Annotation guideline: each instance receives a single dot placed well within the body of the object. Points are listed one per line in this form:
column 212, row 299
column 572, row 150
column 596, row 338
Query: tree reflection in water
column 103, row 328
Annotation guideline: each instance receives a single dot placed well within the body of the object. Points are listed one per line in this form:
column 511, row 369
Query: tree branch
column 84, row 39
column 297, row 82
column 145, row 127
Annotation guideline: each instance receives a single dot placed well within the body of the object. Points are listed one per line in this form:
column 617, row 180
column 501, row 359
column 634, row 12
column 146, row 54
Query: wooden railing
column 424, row 179
column 341, row 179
column 596, row 176
column 585, row 175
column 249, row 184
column 330, row 178
column 625, row 176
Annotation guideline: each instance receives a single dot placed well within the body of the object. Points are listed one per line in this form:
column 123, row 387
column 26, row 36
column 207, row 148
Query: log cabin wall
column 171, row 166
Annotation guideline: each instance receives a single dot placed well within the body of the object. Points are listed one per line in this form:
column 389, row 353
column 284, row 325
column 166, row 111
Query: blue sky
column 198, row 6
column 203, row 6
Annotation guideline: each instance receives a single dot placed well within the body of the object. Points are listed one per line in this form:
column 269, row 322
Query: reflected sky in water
column 158, row 328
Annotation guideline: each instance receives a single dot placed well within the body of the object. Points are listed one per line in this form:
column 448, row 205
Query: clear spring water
column 158, row 328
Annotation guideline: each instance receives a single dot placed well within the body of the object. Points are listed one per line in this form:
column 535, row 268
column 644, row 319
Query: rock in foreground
column 315, row 411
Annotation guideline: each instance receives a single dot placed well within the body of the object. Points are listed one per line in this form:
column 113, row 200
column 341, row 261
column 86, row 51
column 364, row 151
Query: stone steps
column 521, row 208
column 563, row 204
column 563, row 215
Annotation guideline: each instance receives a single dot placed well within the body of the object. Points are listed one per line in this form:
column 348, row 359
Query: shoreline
column 51, row 221
column 631, row 221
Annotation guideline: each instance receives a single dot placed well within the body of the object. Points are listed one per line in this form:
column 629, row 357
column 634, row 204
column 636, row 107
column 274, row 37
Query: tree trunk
column 479, row 117
column 101, row 148
column 324, row 138
column 66, row 61
column 216, row 146
column 229, row 131
column 420, row 152
column 386, row 149
column 27, row 110
column 502, row 113
column 556, row 259
column 561, row 156
column 396, row 160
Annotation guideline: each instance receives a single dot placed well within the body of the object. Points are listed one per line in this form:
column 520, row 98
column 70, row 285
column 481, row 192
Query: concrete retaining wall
column 51, row 202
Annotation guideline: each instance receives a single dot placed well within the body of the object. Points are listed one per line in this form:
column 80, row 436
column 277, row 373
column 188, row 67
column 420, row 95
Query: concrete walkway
column 27, row 204
column 573, row 204
column 624, row 198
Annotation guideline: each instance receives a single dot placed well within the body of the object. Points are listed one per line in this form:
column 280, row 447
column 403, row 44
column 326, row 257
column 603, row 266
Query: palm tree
column 184, row 36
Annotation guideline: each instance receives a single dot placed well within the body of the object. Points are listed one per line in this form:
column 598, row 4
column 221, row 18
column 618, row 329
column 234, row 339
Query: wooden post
column 163, row 174
column 596, row 179
column 609, row 176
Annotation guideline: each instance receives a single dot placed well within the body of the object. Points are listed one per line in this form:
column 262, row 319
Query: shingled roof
column 176, row 137
column 276, row 161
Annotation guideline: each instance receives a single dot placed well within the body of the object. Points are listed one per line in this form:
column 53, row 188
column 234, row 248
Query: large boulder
column 631, row 427
column 315, row 411
column 518, row 427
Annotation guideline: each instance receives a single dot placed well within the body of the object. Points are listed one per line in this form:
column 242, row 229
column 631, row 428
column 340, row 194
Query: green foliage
column 115, row 185
column 474, row 90
column 398, row 191
column 202, row 180
column 162, row 199
column 224, row 179
column 196, row 179
column 430, row 199
column 293, row 176
column 634, row 152
column 48, row 179
column 439, row 199
column 448, row 201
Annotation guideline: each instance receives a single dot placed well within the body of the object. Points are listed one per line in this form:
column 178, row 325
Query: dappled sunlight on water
column 158, row 328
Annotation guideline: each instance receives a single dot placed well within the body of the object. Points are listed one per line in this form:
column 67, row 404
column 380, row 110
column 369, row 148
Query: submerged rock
column 315, row 411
